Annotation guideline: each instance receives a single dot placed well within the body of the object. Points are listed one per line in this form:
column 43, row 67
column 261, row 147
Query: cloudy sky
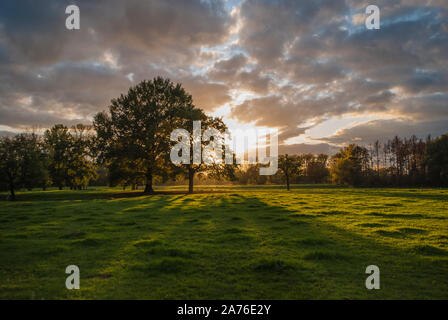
column 309, row 68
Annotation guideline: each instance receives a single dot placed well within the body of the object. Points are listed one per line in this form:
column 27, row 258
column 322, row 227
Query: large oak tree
column 138, row 126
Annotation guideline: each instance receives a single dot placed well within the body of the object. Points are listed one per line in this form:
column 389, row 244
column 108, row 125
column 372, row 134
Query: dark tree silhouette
column 289, row 166
column 139, row 124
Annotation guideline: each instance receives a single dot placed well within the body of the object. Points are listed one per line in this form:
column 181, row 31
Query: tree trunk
column 190, row 179
column 287, row 182
column 11, row 189
column 148, row 187
column 60, row 187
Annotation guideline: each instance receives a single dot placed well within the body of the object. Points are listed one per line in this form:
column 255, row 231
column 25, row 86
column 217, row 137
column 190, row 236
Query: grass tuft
column 89, row 242
column 321, row 255
column 430, row 251
column 313, row 242
column 273, row 266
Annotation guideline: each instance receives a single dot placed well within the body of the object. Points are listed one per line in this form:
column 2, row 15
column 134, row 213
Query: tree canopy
column 138, row 125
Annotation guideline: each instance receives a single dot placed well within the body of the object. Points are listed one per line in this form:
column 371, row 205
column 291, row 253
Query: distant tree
column 81, row 168
column 10, row 163
column 58, row 142
column 23, row 163
column 289, row 165
column 437, row 159
column 316, row 168
column 222, row 171
column 125, row 172
column 34, row 162
column 376, row 155
column 101, row 178
column 344, row 171
column 139, row 124
column 250, row 174
column 307, row 158
column 349, row 164
column 243, row 173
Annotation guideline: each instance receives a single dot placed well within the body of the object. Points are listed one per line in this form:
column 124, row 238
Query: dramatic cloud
column 386, row 129
column 329, row 64
column 287, row 64
column 49, row 73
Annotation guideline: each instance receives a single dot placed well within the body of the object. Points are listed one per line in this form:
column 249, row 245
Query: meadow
column 252, row 242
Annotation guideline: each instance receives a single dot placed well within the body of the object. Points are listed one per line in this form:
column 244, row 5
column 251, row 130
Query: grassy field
column 313, row 242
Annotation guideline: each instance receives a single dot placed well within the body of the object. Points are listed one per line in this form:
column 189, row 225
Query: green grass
column 313, row 242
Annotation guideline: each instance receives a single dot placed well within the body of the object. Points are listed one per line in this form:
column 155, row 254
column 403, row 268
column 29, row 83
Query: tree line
column 129, row 145
column 61, row 157
column 131, row 142
column 396, row 162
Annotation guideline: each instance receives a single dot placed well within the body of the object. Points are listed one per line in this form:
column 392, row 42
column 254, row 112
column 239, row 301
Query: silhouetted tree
column 289, row 165
column 316, row 168
column 437, row 159
column 58, row 143
column 34, row 162
column 349, row 165
column 81, row 168
column 10, row 158
column 139, row 124
column 190, row 170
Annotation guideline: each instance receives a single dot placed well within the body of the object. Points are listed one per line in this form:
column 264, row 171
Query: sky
column 311, row 69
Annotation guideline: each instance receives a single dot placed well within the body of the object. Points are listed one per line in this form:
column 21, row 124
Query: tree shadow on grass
column 228, row 247
column 408, row 194
column 69, row 195
column 277, row 258
column 71, row 234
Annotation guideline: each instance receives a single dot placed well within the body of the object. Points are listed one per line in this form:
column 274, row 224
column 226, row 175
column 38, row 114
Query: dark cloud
column 206, row 95
column 63, row 75
column 239, row 73
column 163, row 29
column 25, row 118
column 426, row 81
column 328, row 64
column 424, row 107
column 302, row 61
column 269, row 27
column 4, row 133
column 383, row 130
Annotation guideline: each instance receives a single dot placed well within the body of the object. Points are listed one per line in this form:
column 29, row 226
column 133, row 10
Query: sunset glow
column 315, row 73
